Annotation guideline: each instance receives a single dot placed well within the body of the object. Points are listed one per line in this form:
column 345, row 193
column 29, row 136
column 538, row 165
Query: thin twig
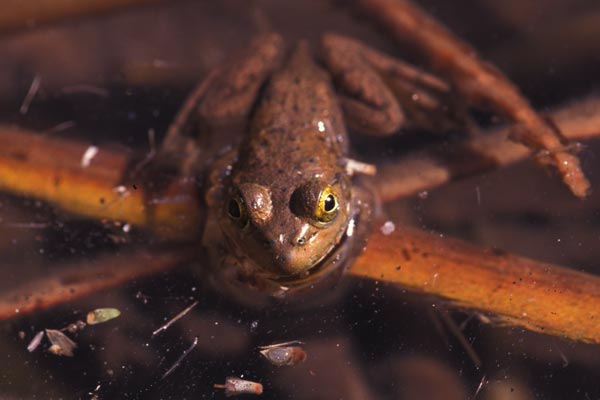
column 33, row 89
column 180, row 359
column 482, row 382
column 175, row 318
column 478, row 81
column 460, row 336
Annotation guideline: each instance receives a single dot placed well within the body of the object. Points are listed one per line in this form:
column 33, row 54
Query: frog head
column 287, row 226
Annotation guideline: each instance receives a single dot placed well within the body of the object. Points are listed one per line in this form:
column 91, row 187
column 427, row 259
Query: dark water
column 371, row 340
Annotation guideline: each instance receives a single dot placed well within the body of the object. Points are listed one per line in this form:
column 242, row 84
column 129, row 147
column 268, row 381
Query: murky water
column 111, row 79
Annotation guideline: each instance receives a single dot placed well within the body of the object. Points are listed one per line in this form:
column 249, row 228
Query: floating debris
column 121, row 190
column 388, row 228
column 284, row 354
column 33, row 89
column 101, row 315
column 75, row 326
column 88, row 156
column 180, row 359
column 483, row 382
column 56, row 350
column 61, row 344
column 350, row 229
column 234, row 386
column 174, row 319
column 94, row 395
column 354, row 166
column 35, row 342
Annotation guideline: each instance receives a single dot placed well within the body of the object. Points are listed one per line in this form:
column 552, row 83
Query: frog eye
column 316, row 201
column 237, row 211
column 327, row 206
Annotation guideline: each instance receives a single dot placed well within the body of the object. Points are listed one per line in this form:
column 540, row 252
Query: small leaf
column 101, row 315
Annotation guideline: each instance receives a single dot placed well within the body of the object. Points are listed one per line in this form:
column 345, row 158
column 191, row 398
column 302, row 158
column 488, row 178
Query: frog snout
column 288, row 257
column 286, row 253
column 292, row 262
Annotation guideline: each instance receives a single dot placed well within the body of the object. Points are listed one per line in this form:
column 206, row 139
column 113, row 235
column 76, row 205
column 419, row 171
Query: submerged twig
column 81, row 279
column 460, row 336
column 482, row 382
column 33, row 89
column 50, row 168
column 175, row 318
column 480, row 82
column 180, row 359
column 428, row 169
column 518, row 291
column 30, row 13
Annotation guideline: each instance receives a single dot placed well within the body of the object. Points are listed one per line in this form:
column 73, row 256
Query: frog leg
column 380, row 94
column 224, row 97
column 368, row 103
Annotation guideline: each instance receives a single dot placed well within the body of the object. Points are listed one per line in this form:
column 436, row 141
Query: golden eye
column 327, row 207
column 237, row 211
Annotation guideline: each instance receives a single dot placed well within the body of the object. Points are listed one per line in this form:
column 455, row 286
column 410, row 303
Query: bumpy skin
column 268, row 224
column 294, row 150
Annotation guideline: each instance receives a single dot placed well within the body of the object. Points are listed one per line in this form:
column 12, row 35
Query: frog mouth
column 332, row 266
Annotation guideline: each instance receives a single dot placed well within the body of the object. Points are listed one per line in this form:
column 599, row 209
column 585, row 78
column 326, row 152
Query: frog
column 288, row 207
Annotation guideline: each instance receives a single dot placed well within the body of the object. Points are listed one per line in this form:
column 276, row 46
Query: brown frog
column 285, row 206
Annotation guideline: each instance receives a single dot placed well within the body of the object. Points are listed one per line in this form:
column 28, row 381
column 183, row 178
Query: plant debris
column 175, row 318
column 101, row 315
column 35, row 342
column 235, row 386
column 284, row 354
column 61, row 344
column 180, row 359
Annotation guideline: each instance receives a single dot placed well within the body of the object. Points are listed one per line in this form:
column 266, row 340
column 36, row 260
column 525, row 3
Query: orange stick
column 538, row 296
column 544, row 297
column 51, row 169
